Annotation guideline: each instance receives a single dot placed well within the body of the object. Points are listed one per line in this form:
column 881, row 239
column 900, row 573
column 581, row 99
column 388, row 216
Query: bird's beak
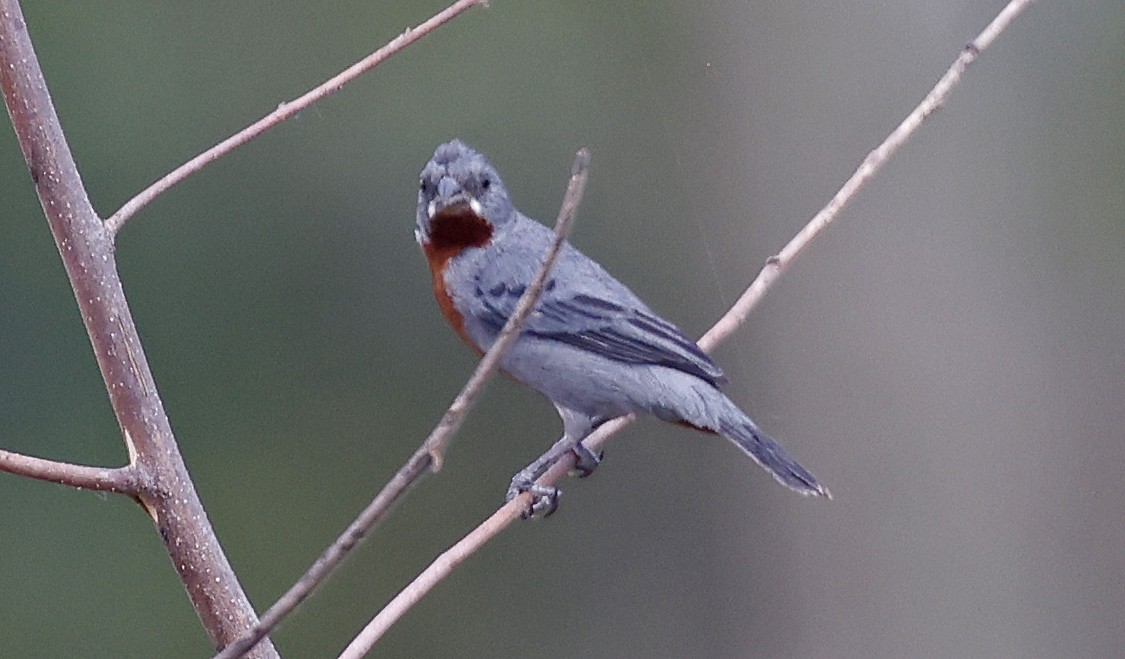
column 451, row 198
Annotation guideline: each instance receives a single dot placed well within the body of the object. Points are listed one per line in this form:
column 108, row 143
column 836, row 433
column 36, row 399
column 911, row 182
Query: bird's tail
column 738, row 428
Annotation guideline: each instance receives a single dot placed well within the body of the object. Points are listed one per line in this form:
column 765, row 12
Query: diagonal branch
column 444, row 564
column 867, row 169
column 122, row 480
column 431, row 453
column 284, row 111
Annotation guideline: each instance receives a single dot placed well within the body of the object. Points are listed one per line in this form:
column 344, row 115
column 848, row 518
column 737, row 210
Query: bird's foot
column 585, row 460
column 544, row 498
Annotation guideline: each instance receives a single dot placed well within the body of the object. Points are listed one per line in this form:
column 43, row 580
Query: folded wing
column 592, row 311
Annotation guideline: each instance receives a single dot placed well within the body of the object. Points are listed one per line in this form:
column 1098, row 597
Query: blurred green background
column 949, row 359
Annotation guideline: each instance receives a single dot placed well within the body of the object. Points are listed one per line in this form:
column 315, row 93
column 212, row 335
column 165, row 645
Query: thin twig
column 284, row 111
column 438, row 570
column 122, row 480
column 431, row 452
column 444, row 564
column 864, row 173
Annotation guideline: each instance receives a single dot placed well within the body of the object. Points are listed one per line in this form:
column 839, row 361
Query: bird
column 590, row 346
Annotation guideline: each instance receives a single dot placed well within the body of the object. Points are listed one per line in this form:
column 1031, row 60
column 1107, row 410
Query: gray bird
column 591, row 346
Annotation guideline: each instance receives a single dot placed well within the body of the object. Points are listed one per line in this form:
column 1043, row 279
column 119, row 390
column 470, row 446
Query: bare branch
column 864, row 173
column 284, row 111
column 438, row 570
column 86, row 249
column 122, row 480
column 432, row 451
column 444, row 564
column 156, row 475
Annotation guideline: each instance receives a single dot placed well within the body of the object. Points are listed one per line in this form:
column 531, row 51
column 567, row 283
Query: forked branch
column 284, row 111
column 86, row 249
column 432, row 451
column 156, row 475
column 444, row 564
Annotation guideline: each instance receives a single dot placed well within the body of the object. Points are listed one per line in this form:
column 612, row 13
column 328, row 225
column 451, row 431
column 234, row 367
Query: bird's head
column 461, row 199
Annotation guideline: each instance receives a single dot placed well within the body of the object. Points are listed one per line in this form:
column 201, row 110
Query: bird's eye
column 485, row 183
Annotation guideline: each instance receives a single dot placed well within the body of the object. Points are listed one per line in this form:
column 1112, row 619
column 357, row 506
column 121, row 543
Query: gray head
column 460, row 197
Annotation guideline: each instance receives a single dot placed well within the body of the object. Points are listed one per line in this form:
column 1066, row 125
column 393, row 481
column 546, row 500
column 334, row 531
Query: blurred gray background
column 949, row 358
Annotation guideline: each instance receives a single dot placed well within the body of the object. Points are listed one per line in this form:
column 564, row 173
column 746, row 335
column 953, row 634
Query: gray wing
column 583, row 306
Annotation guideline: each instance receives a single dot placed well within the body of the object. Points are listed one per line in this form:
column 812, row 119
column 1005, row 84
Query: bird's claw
column 544, row 498
column 585, row 460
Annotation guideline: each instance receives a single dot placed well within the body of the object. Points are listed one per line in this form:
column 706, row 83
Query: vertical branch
column 86, row 248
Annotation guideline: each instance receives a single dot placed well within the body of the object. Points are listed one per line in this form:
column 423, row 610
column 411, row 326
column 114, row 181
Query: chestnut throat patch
column 458, row 227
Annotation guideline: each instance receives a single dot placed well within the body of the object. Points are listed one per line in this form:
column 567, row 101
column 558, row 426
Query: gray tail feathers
column 771, row 456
